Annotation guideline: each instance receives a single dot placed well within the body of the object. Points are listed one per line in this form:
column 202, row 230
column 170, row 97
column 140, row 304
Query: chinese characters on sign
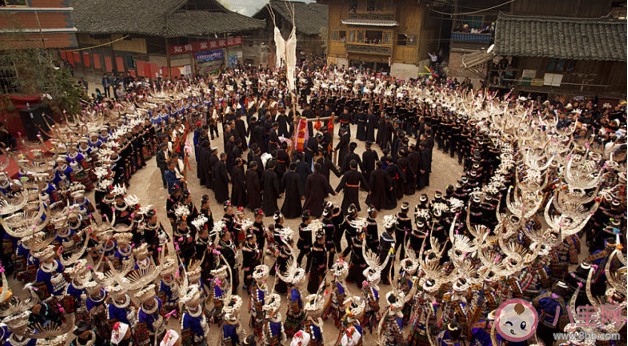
column 199, row 46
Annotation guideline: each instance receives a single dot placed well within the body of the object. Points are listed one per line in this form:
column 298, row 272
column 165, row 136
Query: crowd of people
column 543, row 182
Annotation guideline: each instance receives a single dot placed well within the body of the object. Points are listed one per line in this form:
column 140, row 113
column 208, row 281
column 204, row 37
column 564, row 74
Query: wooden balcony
column 376, row 49
column 471, row 37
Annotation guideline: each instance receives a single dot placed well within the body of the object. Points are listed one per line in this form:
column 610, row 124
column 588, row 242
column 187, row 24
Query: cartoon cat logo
column 516, row 320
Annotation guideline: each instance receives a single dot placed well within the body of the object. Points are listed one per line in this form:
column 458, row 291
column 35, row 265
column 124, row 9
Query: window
column 334, row 35
column 13, row 3
column 370, row 5
column 352, row 36
column 361, row 36
column 402, row 39
column 353, row 6
column 561, row 65
column 130, row 61
column 386, row 38
column 342, row 35
column 373, row 37
column 474, row 22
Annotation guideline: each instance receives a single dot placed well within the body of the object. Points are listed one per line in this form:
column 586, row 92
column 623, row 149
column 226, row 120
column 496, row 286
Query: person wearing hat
column 357, row 263
column 227, row 248
column 369, row 157
column 425, row 165
column 361, row 120
column 304, row 243
column 345, row 119
column 351, row 331
column 50, row 270
column 384, row 131
column 404, row 227
column 552, row 309
column 284, row 128
column 339, row 291
column 193, row 322
column 292, row 188
column 396, row 176
column 251, row 256
column 273, row 332
column 318, row 259
column 350, row 184
column 351, row 156
column 273, row 137
column 120, row 308
column 221, row 179
column 238, row 184
column 387, row 246
column 253, row 187
column 202, row 161
column 342, row 148
column 313, row 323
column 317, row 189
column 259, row 292
column 271, row 189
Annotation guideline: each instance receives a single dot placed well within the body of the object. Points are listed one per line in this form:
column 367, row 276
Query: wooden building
column 310, row 20
column 524, row 28
column 36, row 24
column 560, row 56
column 393, row 36
column 154, row 38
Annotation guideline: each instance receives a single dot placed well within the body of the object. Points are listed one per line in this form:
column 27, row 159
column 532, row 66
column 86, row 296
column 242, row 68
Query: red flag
column 108, row 64
column 86, row 61
column 119, row 64
column 97, row 61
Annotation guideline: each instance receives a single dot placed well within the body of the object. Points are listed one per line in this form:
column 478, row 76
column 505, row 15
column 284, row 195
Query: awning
column 477, row 58
column 370, row 22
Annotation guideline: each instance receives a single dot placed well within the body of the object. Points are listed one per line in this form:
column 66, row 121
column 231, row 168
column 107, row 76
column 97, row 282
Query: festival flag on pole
column 301, row 135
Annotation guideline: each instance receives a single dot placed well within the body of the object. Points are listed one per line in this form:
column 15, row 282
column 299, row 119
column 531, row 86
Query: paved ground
column 146, row 184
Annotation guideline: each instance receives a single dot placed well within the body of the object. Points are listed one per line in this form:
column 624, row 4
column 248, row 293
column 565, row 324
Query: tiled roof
column 309, row 17
column 370, row 22
column 564, row 38
column 155, row 18
column 199, row 23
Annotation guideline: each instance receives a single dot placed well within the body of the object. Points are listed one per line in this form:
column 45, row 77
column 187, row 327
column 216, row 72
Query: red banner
column 97, row 61
column 108, row 64
column 176, row 72
column 132, row 73
column 77, row 57
column 141, row 69
column 62, row 52
column 200, row 46
column 119, row 64
column 70, row 59
column 86, row 61
column 154, row 70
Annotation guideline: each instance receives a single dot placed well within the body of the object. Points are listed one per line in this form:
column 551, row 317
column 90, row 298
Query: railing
column 471, row 37
column 369, row 49
column 376, row 16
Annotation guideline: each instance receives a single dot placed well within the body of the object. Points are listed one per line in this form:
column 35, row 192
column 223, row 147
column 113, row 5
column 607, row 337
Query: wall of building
column 603, row 78
column 336, row 46
column 410, row 18
column 34, row 20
